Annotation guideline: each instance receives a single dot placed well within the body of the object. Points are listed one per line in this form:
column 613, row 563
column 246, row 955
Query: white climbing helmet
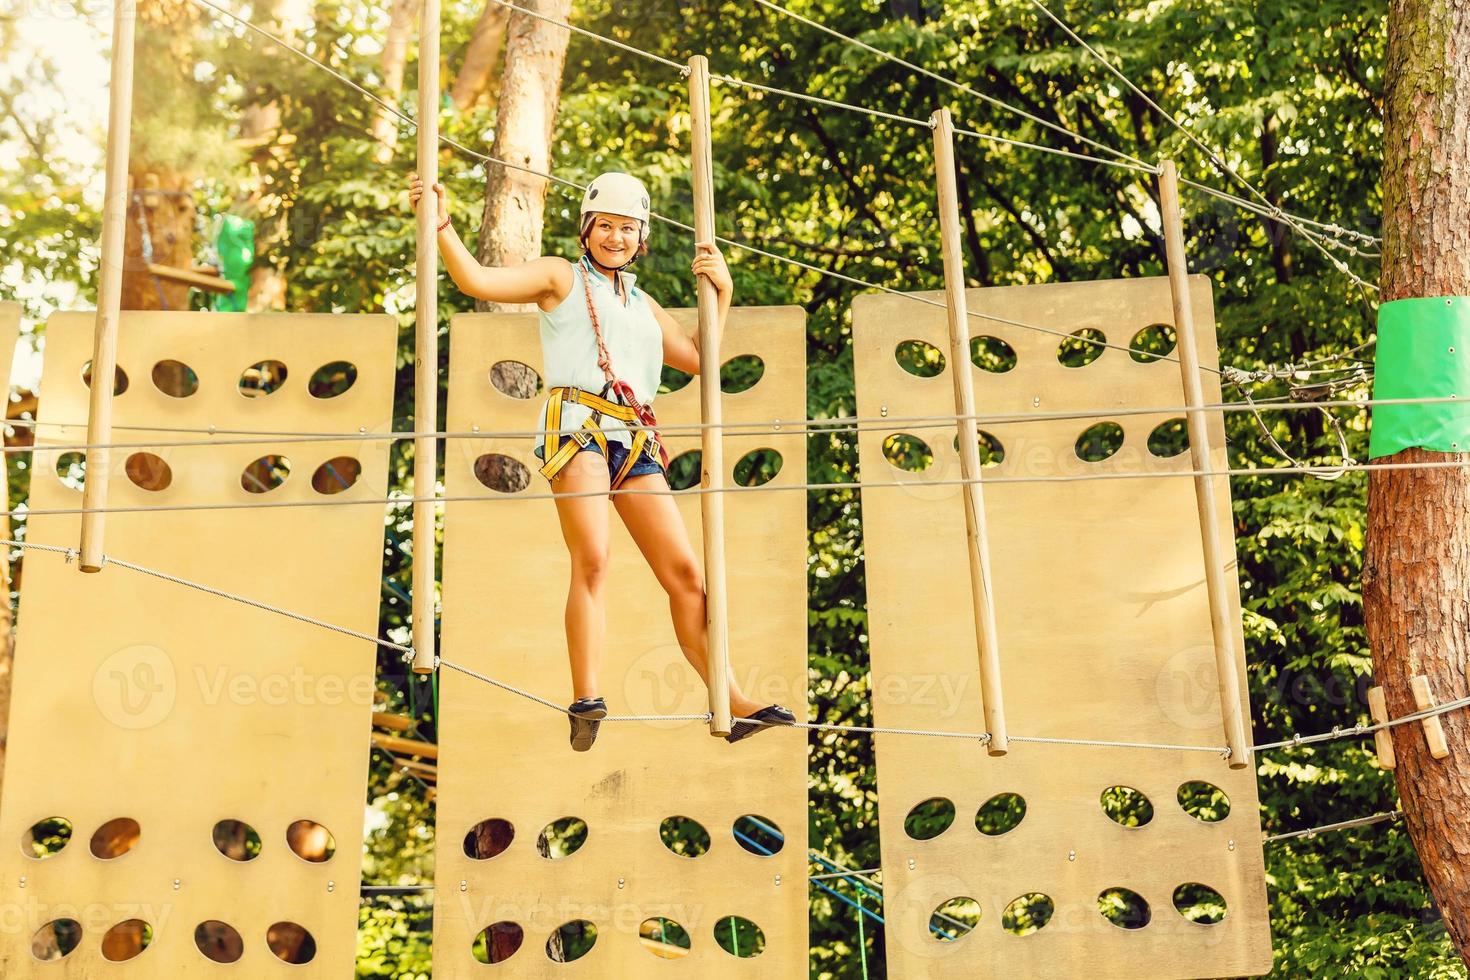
column 617, row 193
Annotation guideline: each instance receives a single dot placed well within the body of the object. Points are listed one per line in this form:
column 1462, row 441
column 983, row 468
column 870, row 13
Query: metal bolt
column 778, row 881
column 331, row 886
column 475, row 427
column 211, row 428
column 1036, row 402
column 176, row 884
column 777, row 426
column 1231, row 845
column 22, row 881
column 362, row 429
column 911, row 864
column 463, row 885
column 883, row 411
column 621, row 882
column 1071, row 855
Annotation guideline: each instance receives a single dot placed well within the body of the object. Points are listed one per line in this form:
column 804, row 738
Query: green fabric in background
column 1423, row 352
column 235, row 244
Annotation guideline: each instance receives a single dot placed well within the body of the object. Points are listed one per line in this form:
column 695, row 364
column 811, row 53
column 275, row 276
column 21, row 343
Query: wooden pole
column 982, row 598
column 426, row 345
column 109, row 288
column 1199, row 453
column 712, row 455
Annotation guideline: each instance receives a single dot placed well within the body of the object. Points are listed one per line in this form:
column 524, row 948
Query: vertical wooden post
column 1199, row 454
column 426, row 345
column 712, row 455
column 109, row 287
column 982, row 598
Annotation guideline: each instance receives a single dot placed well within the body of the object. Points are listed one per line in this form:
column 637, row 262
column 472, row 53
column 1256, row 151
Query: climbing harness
column 626, row 408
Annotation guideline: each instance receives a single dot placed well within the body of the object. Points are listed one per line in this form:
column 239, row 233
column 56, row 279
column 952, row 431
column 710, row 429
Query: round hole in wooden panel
column 148, row 471
column 1169, row 438
column 175, row 379
column 45, row 837
column 291, row 942
column 262, row 378
column 664, row 938
column 265, row 474
column 56, row 939
column 741, row 373
column 672, row 379
column 954, row 919
column 991, row 452
column 1124, row 908
column 684, row 836
column 562, row 838
column 1127, row 806
column 115, row 838
column 1081, row 348
column 515, row 379
column 757, row 467
column 992, row 354
column 1199, row 903
column 488, row 838
column 908, row 452
column 336, row 474
column 310, row 841
column 1152, row 343
column 332, row 379
column 1204, row 801
column 758, row 835
column 1000, row 814
column 1027, row 914
column 571, row 941
column 236, row 840
column 685, row 470
column 126, row 940
column 740, row 937
column 71, row 470
column 497, row 942
column 119, row 378
column 929, row 819
column 218, row 941
column 1098, row 442
column 920, row 359
column 501, row 473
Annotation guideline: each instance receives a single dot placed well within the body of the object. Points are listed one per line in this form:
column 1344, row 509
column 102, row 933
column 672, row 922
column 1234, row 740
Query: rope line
column 816, row 426
column 831, row 104
column 681, row 69
column 1341, row 825
column 403, row 501
column 1210, row 154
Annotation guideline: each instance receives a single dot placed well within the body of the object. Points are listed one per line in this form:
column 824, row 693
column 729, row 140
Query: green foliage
column 1289, row 94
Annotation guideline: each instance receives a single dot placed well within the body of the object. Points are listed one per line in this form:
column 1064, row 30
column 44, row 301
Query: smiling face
column 612, row 240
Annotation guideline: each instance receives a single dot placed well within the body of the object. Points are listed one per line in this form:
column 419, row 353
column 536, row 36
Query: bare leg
column 653, row 521
column 584, row 528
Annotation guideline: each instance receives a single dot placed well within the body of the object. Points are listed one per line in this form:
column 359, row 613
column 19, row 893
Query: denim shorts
column 617, row 453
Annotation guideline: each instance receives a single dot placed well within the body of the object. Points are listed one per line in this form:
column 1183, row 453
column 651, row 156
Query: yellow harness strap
column 559, row 452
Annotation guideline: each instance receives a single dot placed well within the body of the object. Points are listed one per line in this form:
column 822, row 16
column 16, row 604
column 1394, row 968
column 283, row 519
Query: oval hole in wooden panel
column 332, row 379
column 922, row 360
column 739, row 936
column 954, row 919
column 741, row 373
column 1081, row 348
column 126, row 940
column 497, row 942
column 992, row 354
column 908, row 452
column 175, row 379
column 1124, row 908
column 929, row 819
column 571, row 941
column 664, row 938
column 684, row 836
column 515, row 379
column 262, row 378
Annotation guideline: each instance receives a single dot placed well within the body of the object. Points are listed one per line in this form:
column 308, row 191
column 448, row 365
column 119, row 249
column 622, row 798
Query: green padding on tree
column 236, row 246
column 1423, row 352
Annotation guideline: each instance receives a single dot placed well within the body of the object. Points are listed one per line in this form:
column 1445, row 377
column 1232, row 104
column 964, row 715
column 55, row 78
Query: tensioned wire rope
column 1327, row 227
column 407, row 652
column 746, row 429
column 1078, row 336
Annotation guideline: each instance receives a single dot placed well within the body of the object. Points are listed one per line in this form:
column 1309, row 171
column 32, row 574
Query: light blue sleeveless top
column 635, row 345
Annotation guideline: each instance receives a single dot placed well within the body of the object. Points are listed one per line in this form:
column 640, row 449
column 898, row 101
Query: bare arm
column 545, row 280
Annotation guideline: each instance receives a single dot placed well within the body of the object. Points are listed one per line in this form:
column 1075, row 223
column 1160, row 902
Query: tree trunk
column 530, row 93
column 401, row 23
column 161, row 206
column 480, row 56
column 1416, row 575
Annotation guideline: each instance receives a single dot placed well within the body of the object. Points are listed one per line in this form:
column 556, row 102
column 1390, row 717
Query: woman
column 603, row 345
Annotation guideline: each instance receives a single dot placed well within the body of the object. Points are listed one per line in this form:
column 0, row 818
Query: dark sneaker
column 771, row 716
column 586, row 716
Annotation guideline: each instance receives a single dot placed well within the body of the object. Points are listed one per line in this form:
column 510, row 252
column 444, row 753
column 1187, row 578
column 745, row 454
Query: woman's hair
column 591, row 216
